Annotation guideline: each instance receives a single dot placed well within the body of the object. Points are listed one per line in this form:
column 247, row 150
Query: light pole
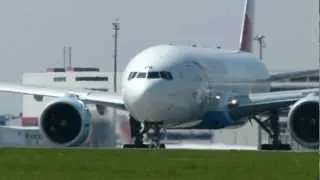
column 116, row 28
column 262, row 44
column 260, row 39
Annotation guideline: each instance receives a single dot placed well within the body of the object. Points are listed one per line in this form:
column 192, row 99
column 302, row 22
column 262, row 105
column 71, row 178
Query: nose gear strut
column 151, row 129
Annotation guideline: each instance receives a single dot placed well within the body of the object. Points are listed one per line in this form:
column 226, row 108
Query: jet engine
column 303, row 121
column 66, row 122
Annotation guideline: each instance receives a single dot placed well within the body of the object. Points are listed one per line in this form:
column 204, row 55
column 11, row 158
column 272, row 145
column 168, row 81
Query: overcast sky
column 33, row 32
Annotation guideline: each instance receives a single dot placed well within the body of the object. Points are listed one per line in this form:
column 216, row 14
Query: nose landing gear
column 154, row 133
column 151, row 129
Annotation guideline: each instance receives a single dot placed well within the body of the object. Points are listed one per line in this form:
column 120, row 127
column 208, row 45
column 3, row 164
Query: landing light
column 233, row 103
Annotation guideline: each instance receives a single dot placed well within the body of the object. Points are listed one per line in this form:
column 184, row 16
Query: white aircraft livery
column 180, row 87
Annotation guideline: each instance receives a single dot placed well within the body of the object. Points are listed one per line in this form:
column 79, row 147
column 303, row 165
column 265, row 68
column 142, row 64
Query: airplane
column 181, row 87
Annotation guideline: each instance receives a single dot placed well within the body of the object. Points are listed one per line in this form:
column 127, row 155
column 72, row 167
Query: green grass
column 129, row 164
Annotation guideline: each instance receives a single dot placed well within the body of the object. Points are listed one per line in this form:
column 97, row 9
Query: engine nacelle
column 303, row 121
column 66, row 122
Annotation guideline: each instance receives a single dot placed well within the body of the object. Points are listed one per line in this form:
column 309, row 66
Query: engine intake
column 304, row 123
column 66, row 122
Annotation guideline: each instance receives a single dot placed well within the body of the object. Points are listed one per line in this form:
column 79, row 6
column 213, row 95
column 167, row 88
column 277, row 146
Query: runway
column 211, row 146
column 190, row 146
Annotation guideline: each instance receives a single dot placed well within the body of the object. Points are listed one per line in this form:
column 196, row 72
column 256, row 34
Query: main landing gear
column 271, row 126
column 151, row 129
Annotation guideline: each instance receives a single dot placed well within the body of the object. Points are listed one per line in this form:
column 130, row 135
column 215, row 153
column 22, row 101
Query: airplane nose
column 146, row 101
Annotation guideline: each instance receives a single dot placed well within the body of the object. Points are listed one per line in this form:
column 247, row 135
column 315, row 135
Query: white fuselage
column 203, row 80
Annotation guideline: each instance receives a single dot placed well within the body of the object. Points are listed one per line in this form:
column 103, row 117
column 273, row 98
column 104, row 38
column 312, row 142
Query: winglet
column 246, row 36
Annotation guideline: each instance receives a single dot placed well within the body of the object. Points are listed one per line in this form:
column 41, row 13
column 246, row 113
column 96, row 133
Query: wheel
column 162, row 146
column 275, row 147
column 135, row 146
column 146, row 146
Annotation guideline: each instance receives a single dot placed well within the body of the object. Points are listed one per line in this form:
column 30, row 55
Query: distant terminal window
column 75, row 69
column 92, row 78
column 59, row 79
column 98, row 89
column 56, row 70
column 84, row 69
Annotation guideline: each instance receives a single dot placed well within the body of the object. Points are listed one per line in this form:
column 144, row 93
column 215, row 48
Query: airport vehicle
column 181, row 87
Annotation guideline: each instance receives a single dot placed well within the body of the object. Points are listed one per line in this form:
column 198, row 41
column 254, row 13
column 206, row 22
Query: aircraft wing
column 283, row 75
column 87, row 96
column 259, row 101
column 277, row 83
column 262, row 102
column 276, row 86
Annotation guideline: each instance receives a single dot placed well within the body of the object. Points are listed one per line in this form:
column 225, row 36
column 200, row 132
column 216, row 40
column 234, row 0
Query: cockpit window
column 153, row 75
column 132, row 75
column 166, row 75
column 141, row 75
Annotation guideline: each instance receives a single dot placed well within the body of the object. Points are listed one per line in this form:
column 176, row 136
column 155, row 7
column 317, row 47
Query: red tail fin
column 246, row 36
